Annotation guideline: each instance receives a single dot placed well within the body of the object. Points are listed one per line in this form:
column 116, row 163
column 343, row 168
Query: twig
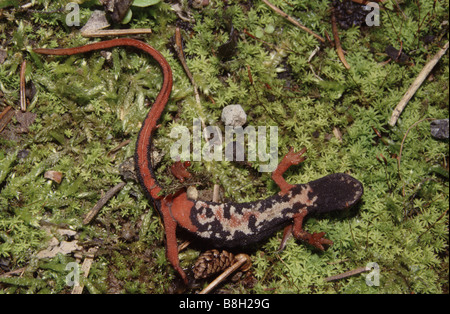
column 179, row 49
column 293, row 21
column 349, row 273
column 23, row 100
column 15, row 272
column 85, row 268
column 216, row 190
column 6, row 116
column 116, row 32
column 183, row 245
column 416, row 84
column 102, row 201
column 400, row 9
column 315, row 51
column 242, row 261
column 337, row 42
column 115, row 149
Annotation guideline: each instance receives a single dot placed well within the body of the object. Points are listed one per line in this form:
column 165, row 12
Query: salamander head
column 337, row 191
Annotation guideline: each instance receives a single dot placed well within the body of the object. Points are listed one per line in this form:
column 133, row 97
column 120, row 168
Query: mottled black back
column 233, row 224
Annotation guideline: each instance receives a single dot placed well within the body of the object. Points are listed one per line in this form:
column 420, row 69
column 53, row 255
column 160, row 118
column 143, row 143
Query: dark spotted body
column 238, row 224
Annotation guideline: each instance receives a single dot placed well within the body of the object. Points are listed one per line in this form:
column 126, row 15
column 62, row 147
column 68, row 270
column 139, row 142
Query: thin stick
column 416, row 84
column 116, row 32
column 293, row 21
column 102, row 201
column 6, row 116
column 115, row 149
column 85, row 268
column 183, row 245
column 349, row 273
column 216, row 191
column 23, row 101
column 18, row 271
column 310, row 65
column 337, row 42
column 179, row 49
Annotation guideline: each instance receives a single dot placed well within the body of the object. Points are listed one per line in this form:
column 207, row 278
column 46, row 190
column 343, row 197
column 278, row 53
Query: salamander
column 228, row 224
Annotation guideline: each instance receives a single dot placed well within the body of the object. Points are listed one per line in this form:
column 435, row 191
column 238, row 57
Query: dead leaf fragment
column 53, row 175
column 25, row 119
column 55, row 247
column 3, row 55
column 96, row 21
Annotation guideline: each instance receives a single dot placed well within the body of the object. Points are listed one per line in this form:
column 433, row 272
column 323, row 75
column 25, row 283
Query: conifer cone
column 212, row 262
column 349, row 13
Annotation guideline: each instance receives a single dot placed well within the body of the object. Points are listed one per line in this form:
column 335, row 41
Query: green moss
column 87, row 105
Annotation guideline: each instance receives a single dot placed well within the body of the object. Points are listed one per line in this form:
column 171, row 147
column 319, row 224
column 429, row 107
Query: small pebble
column 198, row 4
column 439, row 129
column 234, row 115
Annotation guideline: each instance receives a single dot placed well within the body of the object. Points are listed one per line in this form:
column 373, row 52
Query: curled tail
column 143, row 161
column 143, row 146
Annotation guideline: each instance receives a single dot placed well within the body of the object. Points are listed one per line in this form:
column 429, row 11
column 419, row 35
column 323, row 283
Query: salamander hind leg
column 315, row 239
column 170, row 226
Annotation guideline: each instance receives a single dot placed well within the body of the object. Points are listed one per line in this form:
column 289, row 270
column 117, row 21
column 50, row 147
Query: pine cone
column 349, row 13
column 212, row 262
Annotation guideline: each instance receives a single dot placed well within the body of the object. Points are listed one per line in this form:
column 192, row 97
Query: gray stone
column 439, row 129
column 234, row 115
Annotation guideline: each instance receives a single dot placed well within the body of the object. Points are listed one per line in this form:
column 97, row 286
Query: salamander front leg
column 179, row 170
column 291, row 158
column 316, row 239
